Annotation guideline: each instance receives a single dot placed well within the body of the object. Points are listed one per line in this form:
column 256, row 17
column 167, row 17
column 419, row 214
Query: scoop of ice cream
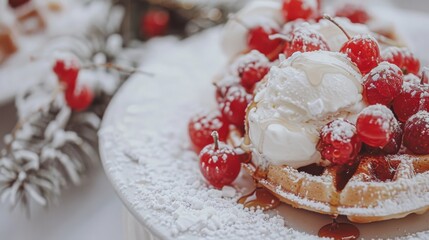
column 265, row 13
column 335, row 38
column 299, row 97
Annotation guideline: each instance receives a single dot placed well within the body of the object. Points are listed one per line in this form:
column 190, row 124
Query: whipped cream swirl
column 298, row 98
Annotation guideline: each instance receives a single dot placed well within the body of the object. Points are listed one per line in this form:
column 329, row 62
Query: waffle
column 377, row 188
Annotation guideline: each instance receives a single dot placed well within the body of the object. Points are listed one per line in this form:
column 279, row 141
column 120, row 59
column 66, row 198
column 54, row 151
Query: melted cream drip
column 315, row 66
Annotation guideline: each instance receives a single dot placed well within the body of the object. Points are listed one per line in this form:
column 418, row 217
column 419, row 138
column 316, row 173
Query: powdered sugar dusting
column 173, row 195
column 340, row 130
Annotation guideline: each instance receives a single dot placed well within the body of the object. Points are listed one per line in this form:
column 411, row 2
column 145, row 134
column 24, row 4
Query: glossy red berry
column 339, row 143
column 250, row 69
column 382, row 84
column 234, row 106
column 155, row 23
column 79, row 99
column 219, row 163
column 202, row 125
column 354, row 12
column 416, row 133
column 67, row 72
column 403, row 58
column 363, row 51
column 304, row 39
column 259, row 39
column 413, row 98
column 252, row 75
column 375, row 125
column 394, row 144
column 300, row 9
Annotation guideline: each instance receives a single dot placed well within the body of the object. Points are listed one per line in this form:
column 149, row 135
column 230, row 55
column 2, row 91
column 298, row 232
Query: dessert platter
column 304, row 125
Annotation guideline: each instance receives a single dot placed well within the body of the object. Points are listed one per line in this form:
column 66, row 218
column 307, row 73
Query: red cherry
column 67, row 72
column 79, row 99
column 234, row 106
column 382, row 84
column 300, row 9
column 259, row 39
column 251, row 68
column 354, row 12
column 219, row 163
column 303, row 39
column 416, row 133
column 202, row 125
column 363, row 51
column 403, row 58
column 339, row 142
column 224, row 85
column 252, row 75
column 414, row 97
column 375, row 125
column 394, row 144
column 155, row 23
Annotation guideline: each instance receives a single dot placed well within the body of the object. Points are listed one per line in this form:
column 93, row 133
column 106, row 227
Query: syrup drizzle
column 260, row 198
column 340, row 231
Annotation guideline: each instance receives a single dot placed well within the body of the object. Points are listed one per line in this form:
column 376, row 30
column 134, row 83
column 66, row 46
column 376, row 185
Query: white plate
column 148, row 112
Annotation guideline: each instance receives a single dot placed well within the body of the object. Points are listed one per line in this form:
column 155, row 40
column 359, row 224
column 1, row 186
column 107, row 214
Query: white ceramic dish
column 143, row 143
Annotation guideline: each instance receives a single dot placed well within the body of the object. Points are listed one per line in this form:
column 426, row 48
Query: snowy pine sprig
column 43, row 155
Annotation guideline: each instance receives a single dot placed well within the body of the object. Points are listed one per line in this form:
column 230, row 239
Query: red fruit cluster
column 339, row 143
column 67, row 72
column 259, row 37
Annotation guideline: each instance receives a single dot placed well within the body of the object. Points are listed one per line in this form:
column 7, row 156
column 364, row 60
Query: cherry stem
column 127, row 70
column 215, row 136
column 329, row 18
column 238, row 20
column 422, row 81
